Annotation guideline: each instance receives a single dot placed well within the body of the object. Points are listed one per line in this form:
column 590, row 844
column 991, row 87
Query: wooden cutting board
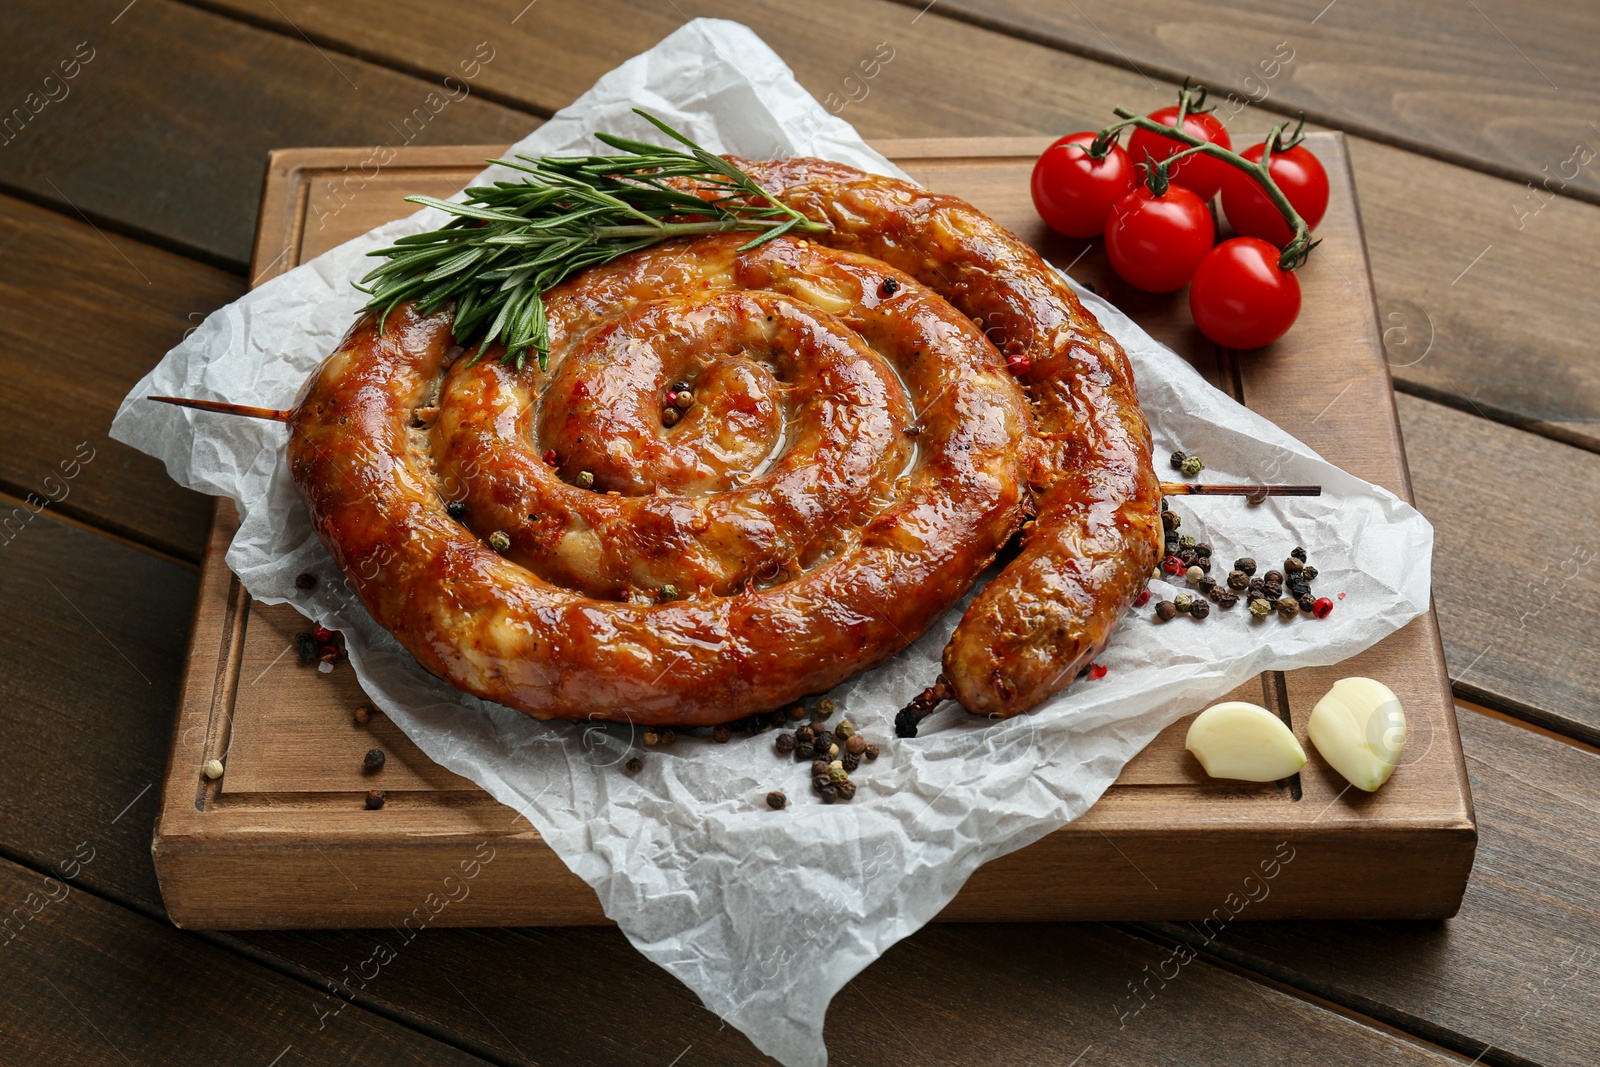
column 283, row 838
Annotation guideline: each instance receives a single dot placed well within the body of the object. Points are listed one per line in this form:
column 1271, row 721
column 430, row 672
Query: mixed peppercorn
column 1287, row 592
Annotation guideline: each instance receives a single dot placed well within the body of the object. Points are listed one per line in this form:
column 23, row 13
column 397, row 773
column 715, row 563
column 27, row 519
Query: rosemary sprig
column 510, row 242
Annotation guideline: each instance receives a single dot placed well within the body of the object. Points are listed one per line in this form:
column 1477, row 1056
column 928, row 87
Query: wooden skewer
column 1205, row 489
column 275, row 414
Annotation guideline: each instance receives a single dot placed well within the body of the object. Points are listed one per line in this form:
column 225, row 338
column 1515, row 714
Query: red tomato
column 1155, row 242
column 1240, row 297
column 1298, row 174
column 1073, row 192
column 1200, row 173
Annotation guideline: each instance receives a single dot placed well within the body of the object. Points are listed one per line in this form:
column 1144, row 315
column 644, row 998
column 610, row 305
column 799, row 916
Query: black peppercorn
column 305, row 581
column 1309, row 573
column 1187, row 556
column 1273, row 576
column 805, row 732
column 721, row 734
column 829, row 793
column 1238, row 580
column 1246, row 564
column 306, row 645
column 635, row 765
column 374, row 799
column 784, row 744
column 845, row 790
column 776, row 800
column 1298, row 553
column 1170, row 520
column 374, row 761
column 819, row 768
column 1177, row 460
column 1202, row 548
column 1292, row 566
column 1207, row 585
column 1255, row 585
column 1273, row 590
column 871, row 752
column 1287, row 607
column 1166, row 611
column 1199, row 609
column 456, row 509
column 1226, row 599
column 804, row 750
column 850, row 760
column 1171, row 547
column 1204, row 563
column 1308, row 603
column 795, row 712
column 1299, row 586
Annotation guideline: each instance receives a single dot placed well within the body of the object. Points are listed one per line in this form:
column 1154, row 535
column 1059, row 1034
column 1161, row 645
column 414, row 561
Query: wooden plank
column 235, row 853
column 1516, row 563
column 88, row 315
column 164, row 129
column 915, row 1004
column 1515, row 971
column 1396, row 73
column 87, row 982
column 1510, row 335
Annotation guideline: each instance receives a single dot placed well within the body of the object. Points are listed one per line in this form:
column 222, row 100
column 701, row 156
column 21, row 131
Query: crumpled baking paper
column 685, row 856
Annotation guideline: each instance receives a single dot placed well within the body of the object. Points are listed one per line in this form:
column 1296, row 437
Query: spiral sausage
column 855, row 455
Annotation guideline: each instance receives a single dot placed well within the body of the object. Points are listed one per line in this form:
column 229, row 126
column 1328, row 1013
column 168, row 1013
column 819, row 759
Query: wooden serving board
column 283, row 838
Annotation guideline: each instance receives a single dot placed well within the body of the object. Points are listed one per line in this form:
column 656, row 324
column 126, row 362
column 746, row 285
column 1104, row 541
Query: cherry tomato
column 1298, row 174
column 1200, row 173
column 1240, row 297
column 1073, row 192
column 1155, row 242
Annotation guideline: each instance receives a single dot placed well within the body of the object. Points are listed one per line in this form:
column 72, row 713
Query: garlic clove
column 1360, row 729
column 1244, row 741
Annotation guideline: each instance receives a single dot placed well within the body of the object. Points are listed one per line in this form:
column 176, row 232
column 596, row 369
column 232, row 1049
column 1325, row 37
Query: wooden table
column 127, row 200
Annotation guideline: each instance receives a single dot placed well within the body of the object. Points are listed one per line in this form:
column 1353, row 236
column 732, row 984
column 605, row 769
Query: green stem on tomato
column 1294, row 253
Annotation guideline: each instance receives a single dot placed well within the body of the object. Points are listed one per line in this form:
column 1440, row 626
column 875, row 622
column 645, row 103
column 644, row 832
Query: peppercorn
column 1256, row 585
column 845, row 790
column 826, row 707
column 844, row 729
column 363, row 714
column 635, row 765
column 1194, row 574
column 1183, row 602
column 667, row 734
column 1173, row 565
column 855, row 744
column 836, row 772
column 1237, row 580
column 1192, row 466
column 307, row 646
column 871, row 752
column 305, row 581
column 1204, row 563
column 784, row 744
column 583, row 480
column 1142, row 599
column 666, row 593
column 1287, row 607
column 499, row 541
column 804, row 750
column 1308, row 603
column 1226, row 599
column 374, row 799
column 1018, row 364
column 1202, row 548
column 1171, row 520
column 1187, row 541
column 776, row 800
column 721, row 734
column 456, row 509
column 1292, row 566
column 1322, row 608
column 1187, row 557
column 1177, row 460
column 1273, row 590
column 670, row 416
column 1166, row 611
column 684, row 400
column 1199, row 609
column 1299, row 587
column 795, row 712
column 1246, row 564
column 1173, row 544
column 829, row 793
column 850, row 761
column 820, row 767
column 1298, row 553
column 1260, row 608
column 1309, row 573
column 1273, row 576
column 1207, row 584
column 825, row 737
column 374, row 761
column 650, row 737
column 213, row 769
column 888, row 287
column 805, row 732
column 550, row 458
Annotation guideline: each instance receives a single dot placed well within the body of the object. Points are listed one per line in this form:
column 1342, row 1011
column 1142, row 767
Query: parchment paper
column 764, row 914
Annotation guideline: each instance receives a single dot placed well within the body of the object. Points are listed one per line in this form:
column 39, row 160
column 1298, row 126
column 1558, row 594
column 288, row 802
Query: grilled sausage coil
column 853, row 454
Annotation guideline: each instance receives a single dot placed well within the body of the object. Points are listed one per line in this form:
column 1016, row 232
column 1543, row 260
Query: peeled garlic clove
column 1360, row 730
column 1244, row 741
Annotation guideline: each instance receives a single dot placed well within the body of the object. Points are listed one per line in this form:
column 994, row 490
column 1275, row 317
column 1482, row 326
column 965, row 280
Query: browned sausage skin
column 856, row 454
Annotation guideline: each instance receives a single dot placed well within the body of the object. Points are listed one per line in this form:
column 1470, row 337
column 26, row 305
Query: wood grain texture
column 87, row 982
column 88, row 315
column 1516, row 563
column 1516, row 971
column 164, row 131
column 1049, row 993
column 1397, row 73
column 1511, row 336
